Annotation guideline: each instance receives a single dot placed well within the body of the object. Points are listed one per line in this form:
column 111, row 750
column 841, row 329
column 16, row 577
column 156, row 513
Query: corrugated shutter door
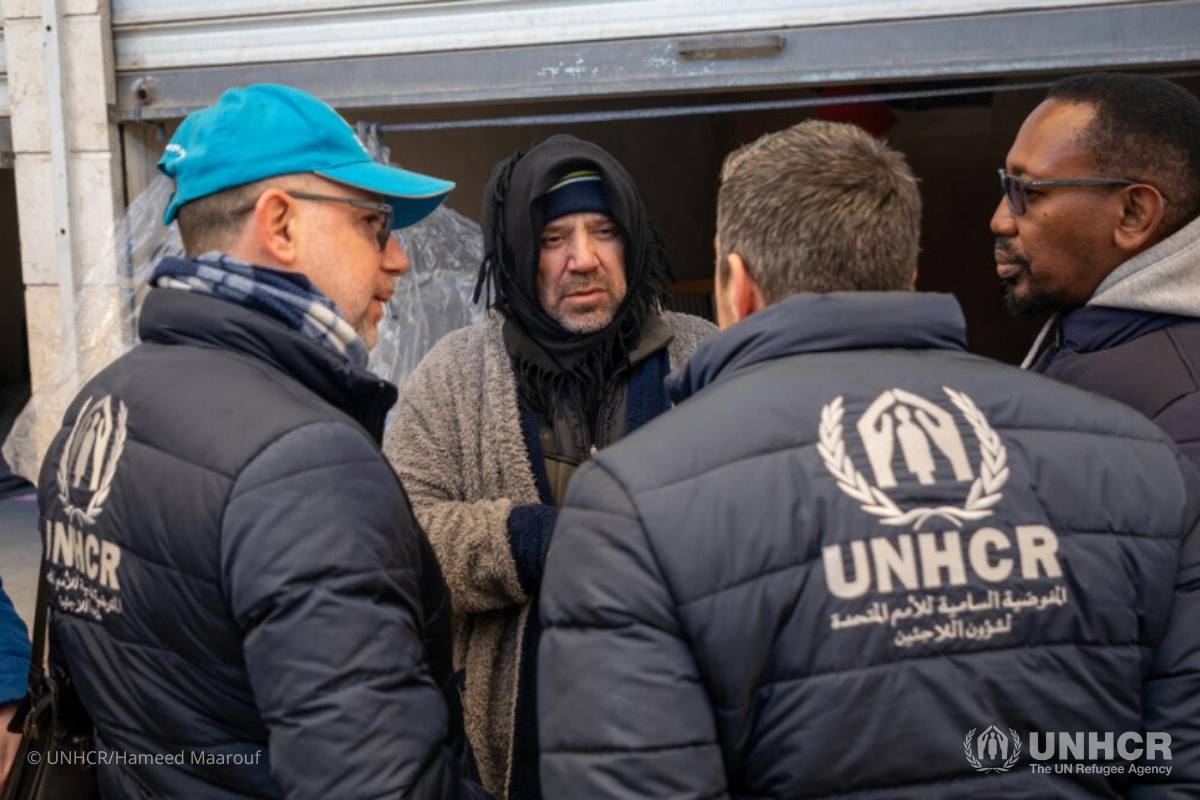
column 151, row 34
column 174, row 57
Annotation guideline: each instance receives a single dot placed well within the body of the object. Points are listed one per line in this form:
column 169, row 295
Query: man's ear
column 275, row 228
column 1142, row 209
column 744, row 294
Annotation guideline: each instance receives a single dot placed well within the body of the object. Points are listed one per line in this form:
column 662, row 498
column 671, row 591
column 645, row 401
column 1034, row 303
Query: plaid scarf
column 288, row 297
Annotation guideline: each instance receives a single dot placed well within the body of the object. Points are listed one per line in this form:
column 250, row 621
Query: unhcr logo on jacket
column 928, row 478
column 82, row 567
column 89, row 459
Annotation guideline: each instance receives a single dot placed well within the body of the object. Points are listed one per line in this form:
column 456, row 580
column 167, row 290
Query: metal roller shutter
column 174, row 57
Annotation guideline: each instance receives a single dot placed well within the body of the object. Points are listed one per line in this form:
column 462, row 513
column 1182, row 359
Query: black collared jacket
column 240, row 590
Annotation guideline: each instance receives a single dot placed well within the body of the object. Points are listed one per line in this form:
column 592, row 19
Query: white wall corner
column 35, row 219
column 32, row 9
column 91, row 85
column 93, row 189
column 84, row 6
column 22, row 9
column 42, row 418
column 26, row 57
column 41, row 313
column 96, row 202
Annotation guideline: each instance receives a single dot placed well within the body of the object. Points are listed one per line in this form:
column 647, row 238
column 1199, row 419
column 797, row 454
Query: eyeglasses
column 1017, row 189
column 385, row 211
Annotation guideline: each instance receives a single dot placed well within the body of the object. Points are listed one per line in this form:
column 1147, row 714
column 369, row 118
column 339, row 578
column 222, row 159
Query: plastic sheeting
column 432, row 299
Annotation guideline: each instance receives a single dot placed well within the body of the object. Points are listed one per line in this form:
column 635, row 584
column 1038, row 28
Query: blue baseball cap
column 268, row 129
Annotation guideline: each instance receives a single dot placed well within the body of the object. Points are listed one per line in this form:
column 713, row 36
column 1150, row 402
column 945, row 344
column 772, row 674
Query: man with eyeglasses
column 1098, row 223
column 240, row 592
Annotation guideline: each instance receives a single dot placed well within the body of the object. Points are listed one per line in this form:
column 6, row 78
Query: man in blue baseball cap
column 240, row 593
column 284, row 157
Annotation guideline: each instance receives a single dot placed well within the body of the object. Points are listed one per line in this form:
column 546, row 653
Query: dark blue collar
column 1092, row 328
column 810, row 323
column 173, row 317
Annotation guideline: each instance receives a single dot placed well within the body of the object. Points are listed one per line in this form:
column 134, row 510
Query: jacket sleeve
column 1172, row 692
column 14, row 652
column 623, row 711
column 428, row 446
column 322, row 572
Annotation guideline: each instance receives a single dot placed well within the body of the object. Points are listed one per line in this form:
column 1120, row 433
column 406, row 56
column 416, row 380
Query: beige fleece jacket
column 456, row 443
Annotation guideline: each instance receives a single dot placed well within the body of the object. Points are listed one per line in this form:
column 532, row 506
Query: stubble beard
column 1033, row 302
column 368, row 331
column 588, row 322
column 584, row 321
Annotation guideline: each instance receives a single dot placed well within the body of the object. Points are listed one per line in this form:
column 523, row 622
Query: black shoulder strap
column 41, row 621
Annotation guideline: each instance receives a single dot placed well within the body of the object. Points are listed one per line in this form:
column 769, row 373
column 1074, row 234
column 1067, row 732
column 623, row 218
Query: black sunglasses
column 386, row 212
column 1017, row 189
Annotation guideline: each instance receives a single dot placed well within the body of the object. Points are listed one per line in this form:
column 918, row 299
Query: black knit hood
column 512, row 226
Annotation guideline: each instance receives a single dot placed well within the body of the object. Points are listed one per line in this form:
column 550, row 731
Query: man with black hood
column 498, row 416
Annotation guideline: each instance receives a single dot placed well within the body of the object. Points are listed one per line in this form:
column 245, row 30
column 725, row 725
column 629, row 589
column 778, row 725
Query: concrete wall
column 69, row 191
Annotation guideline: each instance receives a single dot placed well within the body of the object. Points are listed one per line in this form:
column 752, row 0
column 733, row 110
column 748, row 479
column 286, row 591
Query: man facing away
column 1099, row 224
column 239, row 589
column 855, row 560
column 498, row 416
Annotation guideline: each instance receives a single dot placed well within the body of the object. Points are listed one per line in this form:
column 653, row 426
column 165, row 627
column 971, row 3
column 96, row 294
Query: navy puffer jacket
column 856, row 561
column 240, row 590
column 1148, row 361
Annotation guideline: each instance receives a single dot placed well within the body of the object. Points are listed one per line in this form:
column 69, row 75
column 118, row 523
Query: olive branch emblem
column 984, row 492
column 1008, row 762
column 87, row 516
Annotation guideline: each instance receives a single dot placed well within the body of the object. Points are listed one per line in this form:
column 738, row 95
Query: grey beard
column 585, row 325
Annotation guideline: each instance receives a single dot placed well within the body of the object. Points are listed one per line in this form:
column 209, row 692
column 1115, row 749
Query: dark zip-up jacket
column 240, row 590
column 1138, row 338
column 1148, row 361
column 857, row 562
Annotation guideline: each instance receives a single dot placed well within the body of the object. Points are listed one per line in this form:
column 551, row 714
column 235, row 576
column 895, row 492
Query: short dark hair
column 208, row 223
column 820, row 207
column 1145, row 128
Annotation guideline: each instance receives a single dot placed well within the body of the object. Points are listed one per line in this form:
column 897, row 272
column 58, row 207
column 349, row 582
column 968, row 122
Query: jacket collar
column 812, row 323
column 173, row 317
column 1092, row 328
